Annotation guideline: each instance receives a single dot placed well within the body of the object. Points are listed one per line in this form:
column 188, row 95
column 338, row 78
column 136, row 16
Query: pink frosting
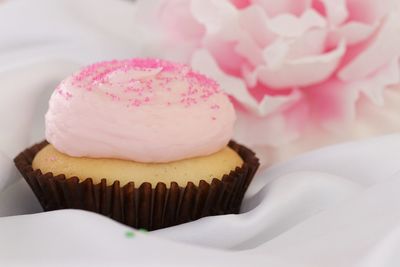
column 144, row 110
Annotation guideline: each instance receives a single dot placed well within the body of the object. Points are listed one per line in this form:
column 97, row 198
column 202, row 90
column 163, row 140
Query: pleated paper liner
column 141, row 206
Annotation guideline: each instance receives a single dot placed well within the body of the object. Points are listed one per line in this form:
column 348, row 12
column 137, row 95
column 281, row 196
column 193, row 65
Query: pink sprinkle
column 188, row 101
column 129, row 90
column 136, row 102
column 203, row 80
column 113, row 96
column 53, row 158
column 98, row 71
column 200, row 87
column 66, row 95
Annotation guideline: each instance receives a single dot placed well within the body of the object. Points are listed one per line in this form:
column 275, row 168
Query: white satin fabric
column 337, row 206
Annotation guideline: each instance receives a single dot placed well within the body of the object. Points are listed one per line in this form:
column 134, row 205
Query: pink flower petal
column 383, row 47
column 254, row 21
column 272, row 101
column 352, row 33
column 213, row 14
column 273, row 130
column 336, row 11
column 332, row 102
column 272, row 104
column 369, row 11
column 275, row 7
column 203, row 61
column 176, row 18
column 276, row 53
column 240, row 4
column 375, row 120
column 224, row 52
column 248, row 49
column 373, row 86
column 259, row 91
column 302, row 72
column 249, row 75
column 311, row 43
column 287, row 25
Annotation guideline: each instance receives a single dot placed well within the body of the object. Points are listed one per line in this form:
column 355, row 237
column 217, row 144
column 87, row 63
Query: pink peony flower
column 294, row 68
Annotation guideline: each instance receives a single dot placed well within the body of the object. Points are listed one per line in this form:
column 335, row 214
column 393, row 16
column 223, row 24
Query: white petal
column 275, row 54
column 352, row 32
column 271, row 104
column 214, row 14
column 384, row 47
column 276, row 7
column 374, row 86
column 287, row 25
column 249, row 76
column 248, row 48
column 336, row 11
column 254, row 20
column 304, row 71
column 312, row 42
column 203, row 61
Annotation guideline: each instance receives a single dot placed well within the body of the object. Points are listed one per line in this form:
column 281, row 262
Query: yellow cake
column 194, row 169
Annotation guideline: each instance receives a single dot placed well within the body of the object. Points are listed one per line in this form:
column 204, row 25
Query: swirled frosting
column 145, row 110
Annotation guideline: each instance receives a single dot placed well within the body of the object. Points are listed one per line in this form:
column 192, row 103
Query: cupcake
column 143, row 141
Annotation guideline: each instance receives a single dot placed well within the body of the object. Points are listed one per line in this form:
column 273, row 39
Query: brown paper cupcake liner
column 141, row 206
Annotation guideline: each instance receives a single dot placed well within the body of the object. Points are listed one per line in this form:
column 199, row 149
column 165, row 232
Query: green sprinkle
column 129, row 234
column 142, row 230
